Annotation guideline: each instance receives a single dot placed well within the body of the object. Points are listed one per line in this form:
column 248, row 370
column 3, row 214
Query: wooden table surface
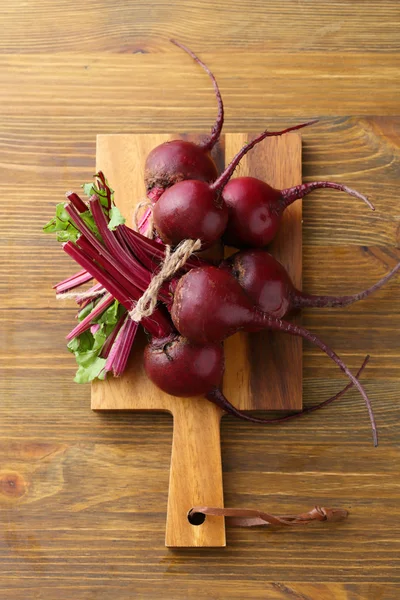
column 82, row 495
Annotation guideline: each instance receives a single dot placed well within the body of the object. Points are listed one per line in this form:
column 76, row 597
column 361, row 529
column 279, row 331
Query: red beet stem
column 145, row 223
column 103, row 186
column 72, row 282
column 150, row 259
column 157, row 249
column 302, row 300
column 85, row 324
column 155, row 194
column 268, row 322
column 105, row 351
column 126, row 284
column 227, row 174
column 118, row 259
column 141, row 245
column 102, row 277
column 129, row 266
column 70, row 278
column 120, row 350
column 209, row 143
column 77, row 202
column 124, row 243
column 299, row 191
column 158, row 324
column 218, row 398
column 84, row 229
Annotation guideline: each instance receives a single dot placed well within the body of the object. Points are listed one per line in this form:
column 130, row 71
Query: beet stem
column 154, row 249
column 72, row 282
column 270, row 322
column 150, row 259
column 208, row 144
column 128, row 265
column 302, row 300
column 217, row 397
column 299, row 191
column 114, row 253
column 98, row 273
column 227, row 174
column 120, row 350
column 70, row 278
column 103, row 185
column 85, row 324
column 157, row 325
column 76, row 201
column 110, row 268
column 108, row 344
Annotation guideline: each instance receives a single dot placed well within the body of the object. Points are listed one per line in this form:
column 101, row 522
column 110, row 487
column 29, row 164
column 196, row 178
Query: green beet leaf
column 116, row 218
column 95, row 370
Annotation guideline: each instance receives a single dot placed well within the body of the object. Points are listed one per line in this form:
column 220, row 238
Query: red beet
column 190, row 210
column 269, row 286
column 255, row 208
column 178, row 160
column 181, row 368
column 194, row 209
column 209, row 305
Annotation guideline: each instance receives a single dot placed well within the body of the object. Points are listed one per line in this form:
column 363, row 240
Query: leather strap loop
column 247, row 517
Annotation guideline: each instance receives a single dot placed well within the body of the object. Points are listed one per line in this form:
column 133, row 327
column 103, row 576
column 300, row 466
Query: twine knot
column 173, row 261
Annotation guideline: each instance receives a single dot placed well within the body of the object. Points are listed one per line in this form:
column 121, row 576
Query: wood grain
column 125, row 92
column 323, row 26
column 67, row 73
column 265, row 370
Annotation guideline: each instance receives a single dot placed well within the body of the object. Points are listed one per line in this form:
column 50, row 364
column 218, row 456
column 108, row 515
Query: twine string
column 80, row 295
column 174, row 260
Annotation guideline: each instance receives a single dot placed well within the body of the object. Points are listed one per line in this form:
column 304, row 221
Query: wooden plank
column 140, row 27
column 265, row 370
column 164, row 91
column 252, row 590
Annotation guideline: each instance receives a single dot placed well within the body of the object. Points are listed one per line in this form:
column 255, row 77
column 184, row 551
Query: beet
column 256, row 208
column 181, row 368
column 190, row 210
column 209, row 305
column 178, row 160
column 269, row 286
column 193, row 209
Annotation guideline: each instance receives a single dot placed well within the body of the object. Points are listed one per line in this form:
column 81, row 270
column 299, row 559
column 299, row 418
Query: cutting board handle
column 196, row 474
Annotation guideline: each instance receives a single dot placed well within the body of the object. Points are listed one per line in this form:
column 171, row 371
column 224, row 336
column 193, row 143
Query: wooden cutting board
column 263, row 370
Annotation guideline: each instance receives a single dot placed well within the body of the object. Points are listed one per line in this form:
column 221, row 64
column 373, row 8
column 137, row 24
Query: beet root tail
column 296, row 192
column 269, row 322
column 210, row 142
column 217, row 397
column 315, row 301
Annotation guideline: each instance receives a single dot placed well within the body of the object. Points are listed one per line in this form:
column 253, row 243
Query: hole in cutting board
column 196, row 518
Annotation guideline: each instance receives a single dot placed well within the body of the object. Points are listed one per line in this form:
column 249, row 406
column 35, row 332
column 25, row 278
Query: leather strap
column 247, row 517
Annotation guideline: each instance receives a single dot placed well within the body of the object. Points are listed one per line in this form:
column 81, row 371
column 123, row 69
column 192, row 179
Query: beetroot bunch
column 202, row 304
